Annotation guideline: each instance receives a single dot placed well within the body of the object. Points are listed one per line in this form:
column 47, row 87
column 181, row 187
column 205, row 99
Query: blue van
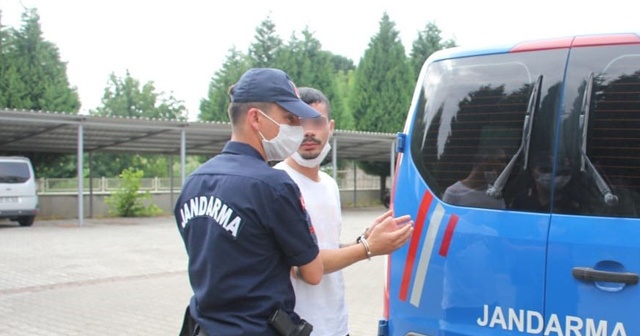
column 520, row 165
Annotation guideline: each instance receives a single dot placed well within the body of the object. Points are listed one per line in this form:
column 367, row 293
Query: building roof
column 35, row 131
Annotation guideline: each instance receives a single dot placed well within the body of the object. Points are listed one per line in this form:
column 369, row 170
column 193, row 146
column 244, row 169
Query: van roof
column 538, row 44
column 15, row 158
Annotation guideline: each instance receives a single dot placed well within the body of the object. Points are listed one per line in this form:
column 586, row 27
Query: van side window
column 470, row 124
column 604, row 136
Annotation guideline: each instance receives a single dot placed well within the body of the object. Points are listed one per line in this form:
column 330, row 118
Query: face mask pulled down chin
column 285, row 143
column 310, row 163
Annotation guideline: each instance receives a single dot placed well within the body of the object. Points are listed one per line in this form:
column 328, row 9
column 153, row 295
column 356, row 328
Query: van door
column 594, row 250
column 473, row 267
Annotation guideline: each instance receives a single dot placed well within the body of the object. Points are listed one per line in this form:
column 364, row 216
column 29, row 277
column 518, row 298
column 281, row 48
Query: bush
column 127, row 201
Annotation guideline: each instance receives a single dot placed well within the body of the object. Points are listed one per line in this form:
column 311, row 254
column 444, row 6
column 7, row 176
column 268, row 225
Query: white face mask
column 311, row 163
column 285, row 143
column 544, row 180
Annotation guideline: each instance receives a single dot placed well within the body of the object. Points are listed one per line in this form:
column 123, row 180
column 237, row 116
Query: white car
column 18, row 190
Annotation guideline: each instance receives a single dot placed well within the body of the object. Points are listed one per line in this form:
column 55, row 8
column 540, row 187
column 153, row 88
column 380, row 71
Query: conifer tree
column 214, row 107
column 429, row 40
column 266, row 45
column 32, row 75
column 383, row 86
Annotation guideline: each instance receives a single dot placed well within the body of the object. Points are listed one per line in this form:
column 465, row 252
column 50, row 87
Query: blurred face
column 493, row 167
column 317, row 132
column 544, row 177
column 497, row 163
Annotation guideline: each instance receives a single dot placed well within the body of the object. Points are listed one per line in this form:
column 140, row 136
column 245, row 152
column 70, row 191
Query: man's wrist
column 362, row 240
column 364, row 234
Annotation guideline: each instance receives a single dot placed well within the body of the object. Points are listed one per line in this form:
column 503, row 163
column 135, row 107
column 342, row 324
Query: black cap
column 271, row 86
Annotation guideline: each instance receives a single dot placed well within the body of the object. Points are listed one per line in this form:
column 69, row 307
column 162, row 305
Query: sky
column 179, row 45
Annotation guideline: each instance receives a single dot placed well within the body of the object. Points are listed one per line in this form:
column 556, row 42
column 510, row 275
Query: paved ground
column 128, row 277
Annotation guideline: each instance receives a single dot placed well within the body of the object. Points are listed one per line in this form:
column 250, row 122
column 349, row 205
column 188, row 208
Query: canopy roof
column 34, row 131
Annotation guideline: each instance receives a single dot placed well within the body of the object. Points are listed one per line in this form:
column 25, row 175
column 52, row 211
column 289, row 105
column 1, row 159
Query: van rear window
column 14, row 172
column 473, row 117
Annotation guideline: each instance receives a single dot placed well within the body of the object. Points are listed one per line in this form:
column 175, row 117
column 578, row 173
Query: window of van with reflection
column 478, row 121
column 600, row 131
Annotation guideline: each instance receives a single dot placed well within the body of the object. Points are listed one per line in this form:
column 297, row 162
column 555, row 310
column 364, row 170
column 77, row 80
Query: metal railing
column 163, row 184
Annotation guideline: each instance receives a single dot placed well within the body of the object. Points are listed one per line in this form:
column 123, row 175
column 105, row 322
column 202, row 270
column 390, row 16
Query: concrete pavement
column 123, row 276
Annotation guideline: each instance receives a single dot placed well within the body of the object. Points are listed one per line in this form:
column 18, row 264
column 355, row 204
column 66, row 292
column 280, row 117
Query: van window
column 471, row 123
column 601, row 130
column 14, row 172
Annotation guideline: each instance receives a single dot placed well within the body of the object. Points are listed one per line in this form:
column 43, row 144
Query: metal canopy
column 33, row 131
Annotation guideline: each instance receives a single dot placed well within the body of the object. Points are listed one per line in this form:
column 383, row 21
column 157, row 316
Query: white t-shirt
column 323, row 305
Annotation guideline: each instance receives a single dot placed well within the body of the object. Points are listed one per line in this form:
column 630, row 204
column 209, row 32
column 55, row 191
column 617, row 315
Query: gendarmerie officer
column 244, row 223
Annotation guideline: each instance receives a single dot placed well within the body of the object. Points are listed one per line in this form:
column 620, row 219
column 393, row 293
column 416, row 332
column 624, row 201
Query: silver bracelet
column 364, row 242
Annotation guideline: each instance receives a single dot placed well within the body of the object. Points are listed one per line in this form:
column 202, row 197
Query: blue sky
column 180, row 44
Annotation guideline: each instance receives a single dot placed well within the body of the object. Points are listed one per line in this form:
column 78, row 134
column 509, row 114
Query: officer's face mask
column 310, row 163
column 285, row 143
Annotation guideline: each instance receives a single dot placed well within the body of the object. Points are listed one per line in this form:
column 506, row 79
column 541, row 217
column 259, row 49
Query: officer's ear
column 253, row 118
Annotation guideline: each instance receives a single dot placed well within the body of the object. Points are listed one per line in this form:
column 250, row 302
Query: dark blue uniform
column 244, row 226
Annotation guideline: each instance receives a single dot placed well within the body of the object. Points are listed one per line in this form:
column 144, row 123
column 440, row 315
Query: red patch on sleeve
column 302, row 203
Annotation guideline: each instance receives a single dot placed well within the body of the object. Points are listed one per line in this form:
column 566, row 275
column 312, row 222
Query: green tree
column 125, row 98
column 33, row 76
column 5, row 64
column 429, row 40
column 214, row 107
column 342, row 64
column 309, row 65
column 344, row 71
column 266, row 45
column 383, row 86
column 344, row 86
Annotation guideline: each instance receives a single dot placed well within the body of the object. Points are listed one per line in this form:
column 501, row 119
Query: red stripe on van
column 578, row 41
column 543, row 44
column 413, row 247
column 585, row 41
column 448, row 233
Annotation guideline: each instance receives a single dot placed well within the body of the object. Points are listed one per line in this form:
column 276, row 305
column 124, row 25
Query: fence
column 163, row 184
column 104, row 184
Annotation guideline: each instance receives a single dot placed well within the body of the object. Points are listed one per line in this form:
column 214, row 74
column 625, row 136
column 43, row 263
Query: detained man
column 324, row 305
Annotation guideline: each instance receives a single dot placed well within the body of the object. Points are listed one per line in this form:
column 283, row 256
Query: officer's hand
column 390, row 234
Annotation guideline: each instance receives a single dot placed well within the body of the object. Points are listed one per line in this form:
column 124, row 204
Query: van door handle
column 589, row 274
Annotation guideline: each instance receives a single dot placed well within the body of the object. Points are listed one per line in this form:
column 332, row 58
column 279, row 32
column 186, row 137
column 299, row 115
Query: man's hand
column 388, row 234
column 377, row 222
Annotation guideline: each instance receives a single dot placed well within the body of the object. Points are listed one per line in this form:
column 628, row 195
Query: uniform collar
column 241, row 148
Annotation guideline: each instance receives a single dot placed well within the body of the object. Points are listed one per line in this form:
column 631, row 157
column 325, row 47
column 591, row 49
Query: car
column 520, row 165
column 18, row 190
